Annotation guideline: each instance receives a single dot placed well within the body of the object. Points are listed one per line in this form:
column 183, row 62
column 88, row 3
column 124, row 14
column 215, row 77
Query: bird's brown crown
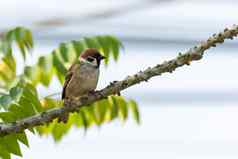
column 91, row 52
column 92, row 56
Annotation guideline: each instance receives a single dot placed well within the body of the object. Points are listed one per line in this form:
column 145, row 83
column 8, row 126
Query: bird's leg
column 67, row 103
column 118, row 93
column 65, row 116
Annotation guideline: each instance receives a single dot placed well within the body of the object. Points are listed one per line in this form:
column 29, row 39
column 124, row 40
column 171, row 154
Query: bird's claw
column 118, row 93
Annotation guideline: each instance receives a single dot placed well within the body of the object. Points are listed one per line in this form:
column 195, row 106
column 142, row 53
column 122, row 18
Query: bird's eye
column 90, row 59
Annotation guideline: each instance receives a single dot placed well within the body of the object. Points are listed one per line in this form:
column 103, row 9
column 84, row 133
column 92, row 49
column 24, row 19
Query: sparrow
column 82, row 77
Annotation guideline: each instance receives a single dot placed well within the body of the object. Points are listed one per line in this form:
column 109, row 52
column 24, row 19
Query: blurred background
column 191, row 113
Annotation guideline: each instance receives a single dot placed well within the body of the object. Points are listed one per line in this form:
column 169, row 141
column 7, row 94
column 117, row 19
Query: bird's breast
column 89, row 78
column 83, row 81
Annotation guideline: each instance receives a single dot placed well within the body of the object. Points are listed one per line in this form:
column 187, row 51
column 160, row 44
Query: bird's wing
column 68, row 77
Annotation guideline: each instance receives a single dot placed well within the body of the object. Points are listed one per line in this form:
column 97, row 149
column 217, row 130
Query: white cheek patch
column 83, row 60
column 93, row 63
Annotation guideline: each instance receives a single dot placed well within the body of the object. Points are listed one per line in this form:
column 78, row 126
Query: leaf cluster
column 20, row 99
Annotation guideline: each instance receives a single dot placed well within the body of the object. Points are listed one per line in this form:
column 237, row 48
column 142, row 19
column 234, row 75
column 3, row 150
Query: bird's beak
column 102, row 57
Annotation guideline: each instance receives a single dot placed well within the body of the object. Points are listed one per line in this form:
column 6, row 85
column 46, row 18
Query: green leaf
column 45, row 70
column 48, row 103
column 60, row 129
column 122, row 106
column 10, row 62
column 28, row 39
column 6, row 48
column 84, row 122
column 105, row 44
column 18, row 111
column 63, row 52
column 135, row 111
column 59, row 67
column 30, row 94
column 5, row 101
column 78, row 47
column 10, row 143
column 77, row 120
column 91, row 42
column 113, row 108
column 7, row 70
column 28, row 107
column 4, row 76
column 46, row 129
column 58, row 64
column 123, row 109
column 30, row 73
column 100, row 109
column 91, row 115
column 21, row 36
column 16, row 93
column 22, row 138
column 20, row 42
column 8, row 117
column 115, row 46
column 4, row 154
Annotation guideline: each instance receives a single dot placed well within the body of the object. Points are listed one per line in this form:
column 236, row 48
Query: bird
column 82, row 77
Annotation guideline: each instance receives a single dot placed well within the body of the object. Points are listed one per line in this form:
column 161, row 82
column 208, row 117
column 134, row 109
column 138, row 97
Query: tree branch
column 193, row 54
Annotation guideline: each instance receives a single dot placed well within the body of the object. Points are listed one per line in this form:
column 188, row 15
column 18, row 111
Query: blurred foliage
column 98, row 113
column 23, row 38
column 19, row 96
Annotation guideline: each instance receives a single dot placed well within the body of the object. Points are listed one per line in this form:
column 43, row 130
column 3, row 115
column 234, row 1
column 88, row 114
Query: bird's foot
column 118, row 93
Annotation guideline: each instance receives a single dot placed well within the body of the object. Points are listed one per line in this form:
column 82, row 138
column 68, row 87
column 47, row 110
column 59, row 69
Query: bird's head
column 92, row 56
